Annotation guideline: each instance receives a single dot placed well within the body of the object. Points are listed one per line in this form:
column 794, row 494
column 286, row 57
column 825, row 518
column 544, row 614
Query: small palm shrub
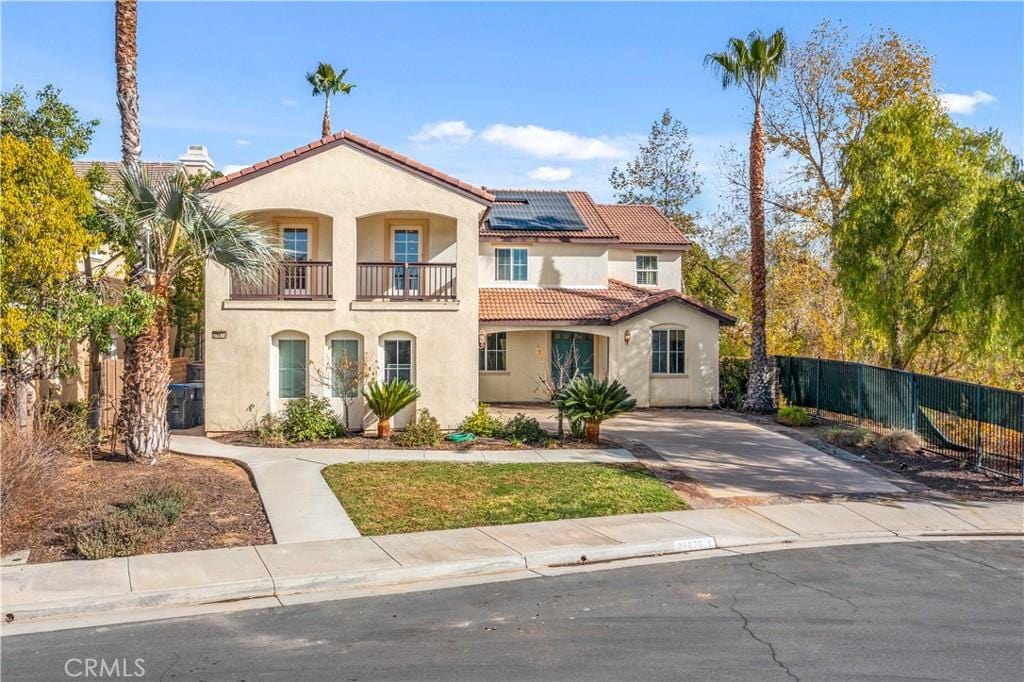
column 482, row 423
column 310, row 418
column 845, row 437
column 900, row 442
column 593, row 401
column 790, row 415
column 525, row 430
column 423, row 432
column 386, row 399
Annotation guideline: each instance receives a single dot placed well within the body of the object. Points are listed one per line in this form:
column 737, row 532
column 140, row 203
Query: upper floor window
column 668, row 351
column 647, row 271
column 492, row 355
column 296, row 243
column 291, row 367
column 398, row 359
column 510, row 265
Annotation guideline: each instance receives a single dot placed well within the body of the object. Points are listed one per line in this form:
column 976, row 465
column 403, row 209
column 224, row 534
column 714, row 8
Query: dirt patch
column 227, row 511
column 367, row 442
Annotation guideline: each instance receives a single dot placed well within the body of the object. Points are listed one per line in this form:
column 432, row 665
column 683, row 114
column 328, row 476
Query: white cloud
column 547, row 143
column 551, row 174
column 456, row 131
column 957, row 103
column 230, row 168
column 288, row 102
column 240, row 142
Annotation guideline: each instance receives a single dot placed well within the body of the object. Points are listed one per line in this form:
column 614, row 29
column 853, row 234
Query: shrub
column 32, row 461
column 386, row 399
column 525, row 429
column 482, row 423
column 309, row 419
column 270, row 431
column 424, row 431
column 113, row 532
column 900, row 442
column 846, row 437
column 733, row 374
column 72, row 419
column 593, row 401
column 793, row 416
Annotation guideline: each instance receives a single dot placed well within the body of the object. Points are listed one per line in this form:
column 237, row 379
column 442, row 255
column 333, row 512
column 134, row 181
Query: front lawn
column 403, row 497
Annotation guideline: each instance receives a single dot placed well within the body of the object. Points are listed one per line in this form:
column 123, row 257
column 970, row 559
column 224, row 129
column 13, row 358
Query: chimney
column 196, row 160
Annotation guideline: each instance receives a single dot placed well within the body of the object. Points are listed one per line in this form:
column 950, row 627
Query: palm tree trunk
column 384, row 427
column 147, row 374
column 126, row 16
column 593, row 432
column 326, row 132
column 759, row 384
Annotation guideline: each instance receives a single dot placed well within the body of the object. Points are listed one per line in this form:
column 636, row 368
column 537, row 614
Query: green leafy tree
column 752, row 64
column 328, row 82
column 52, row 118
column 908, row 238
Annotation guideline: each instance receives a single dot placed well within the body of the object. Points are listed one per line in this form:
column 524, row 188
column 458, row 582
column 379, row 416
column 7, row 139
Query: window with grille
column 668, row 351
column 647, row 271
column 493, row 354
column 510, row 265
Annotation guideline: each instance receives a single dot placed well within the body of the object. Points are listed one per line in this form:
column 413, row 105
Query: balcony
column 291, row 280
column 405, row 281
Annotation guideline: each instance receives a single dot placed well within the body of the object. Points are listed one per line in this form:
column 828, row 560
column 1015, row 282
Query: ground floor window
column 291, row 363
column 346, row 368
column 668, row 351
column 492, row 355
column 398, row 359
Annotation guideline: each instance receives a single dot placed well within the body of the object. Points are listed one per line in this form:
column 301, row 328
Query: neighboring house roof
column 347, row 137
column 634, row 225
column 157, row 171
column 609, row 305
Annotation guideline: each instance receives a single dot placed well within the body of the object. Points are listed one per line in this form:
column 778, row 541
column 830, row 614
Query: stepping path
column 301, row 506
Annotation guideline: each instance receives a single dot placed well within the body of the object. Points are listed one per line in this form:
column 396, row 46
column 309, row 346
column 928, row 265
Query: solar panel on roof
column 551, row 211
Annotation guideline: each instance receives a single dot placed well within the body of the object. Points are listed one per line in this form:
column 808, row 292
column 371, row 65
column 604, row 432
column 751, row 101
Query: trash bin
column 178, row 399
column 195, row 403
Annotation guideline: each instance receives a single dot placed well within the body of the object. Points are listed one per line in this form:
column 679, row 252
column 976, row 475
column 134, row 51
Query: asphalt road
column 943, row 611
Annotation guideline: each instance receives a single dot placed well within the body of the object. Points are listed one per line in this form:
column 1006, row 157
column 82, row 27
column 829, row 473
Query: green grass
column 402, row 497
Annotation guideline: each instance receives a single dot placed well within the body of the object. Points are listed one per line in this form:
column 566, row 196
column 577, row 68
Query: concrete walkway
column 287, row 571
column 301, row 506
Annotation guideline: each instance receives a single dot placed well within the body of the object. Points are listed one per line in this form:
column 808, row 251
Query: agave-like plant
column 593, row 401
column 386, row 399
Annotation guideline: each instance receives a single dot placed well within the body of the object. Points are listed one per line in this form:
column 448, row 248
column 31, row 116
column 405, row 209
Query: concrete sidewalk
column 301, row 506
column 72, row 588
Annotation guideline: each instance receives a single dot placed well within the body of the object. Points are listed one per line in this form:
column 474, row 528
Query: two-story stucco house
column 473, row 294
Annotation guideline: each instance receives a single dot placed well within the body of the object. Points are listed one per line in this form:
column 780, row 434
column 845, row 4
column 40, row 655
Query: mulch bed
column 227, row 511
column 368, row 442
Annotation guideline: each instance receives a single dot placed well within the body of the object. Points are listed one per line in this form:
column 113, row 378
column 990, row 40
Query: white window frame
column 652, row 271
column 487, row 357
column 668, row 353
column 389, row 371
column 278, row 340
column 346, row 338
column 512, row 265
column 298, row 227
column 418, row 229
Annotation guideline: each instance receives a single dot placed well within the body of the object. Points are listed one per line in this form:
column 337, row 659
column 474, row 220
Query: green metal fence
column 980, row 425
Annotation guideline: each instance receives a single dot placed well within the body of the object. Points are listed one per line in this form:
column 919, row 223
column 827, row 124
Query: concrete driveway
column 731, row 457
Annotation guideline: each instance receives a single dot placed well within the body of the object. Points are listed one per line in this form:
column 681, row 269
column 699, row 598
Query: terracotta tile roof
column 626, row 224
column 617, row 302
column 157, row 171
column 348, row 137
column 641, row 224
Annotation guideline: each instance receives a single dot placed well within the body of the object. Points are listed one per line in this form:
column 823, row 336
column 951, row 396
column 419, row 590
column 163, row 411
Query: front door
column 296, row 252
column 405, row 248
column 572, row 355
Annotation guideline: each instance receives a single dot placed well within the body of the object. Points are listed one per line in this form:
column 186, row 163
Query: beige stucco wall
column 622, row 266
column 629, row 363
column 562, row 264
column 349, row 189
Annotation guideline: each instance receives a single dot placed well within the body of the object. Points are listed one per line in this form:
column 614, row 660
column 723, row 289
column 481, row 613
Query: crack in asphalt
column 821, row 590
column 771, row 647
column 979, row 562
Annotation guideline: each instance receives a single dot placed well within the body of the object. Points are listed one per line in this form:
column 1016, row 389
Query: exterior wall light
column 482, row 340
column 627, row 336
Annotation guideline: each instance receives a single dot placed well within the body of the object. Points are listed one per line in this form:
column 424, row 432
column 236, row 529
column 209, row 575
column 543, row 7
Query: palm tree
column 593, row 401
column 170, row 226
column 326, row 82
column 753, row 64
column 126, row 19
column 386, row 399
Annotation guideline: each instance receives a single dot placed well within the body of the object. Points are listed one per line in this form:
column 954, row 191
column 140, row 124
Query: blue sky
column 231, row 76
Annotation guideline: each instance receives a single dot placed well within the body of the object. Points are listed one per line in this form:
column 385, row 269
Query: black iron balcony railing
column 291, row 280
column 406, row 281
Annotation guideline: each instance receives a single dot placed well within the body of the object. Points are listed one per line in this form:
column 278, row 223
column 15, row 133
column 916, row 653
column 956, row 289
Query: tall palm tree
column 171, row 226
column 126, row 19
column 327, row 82
column 752, row 64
